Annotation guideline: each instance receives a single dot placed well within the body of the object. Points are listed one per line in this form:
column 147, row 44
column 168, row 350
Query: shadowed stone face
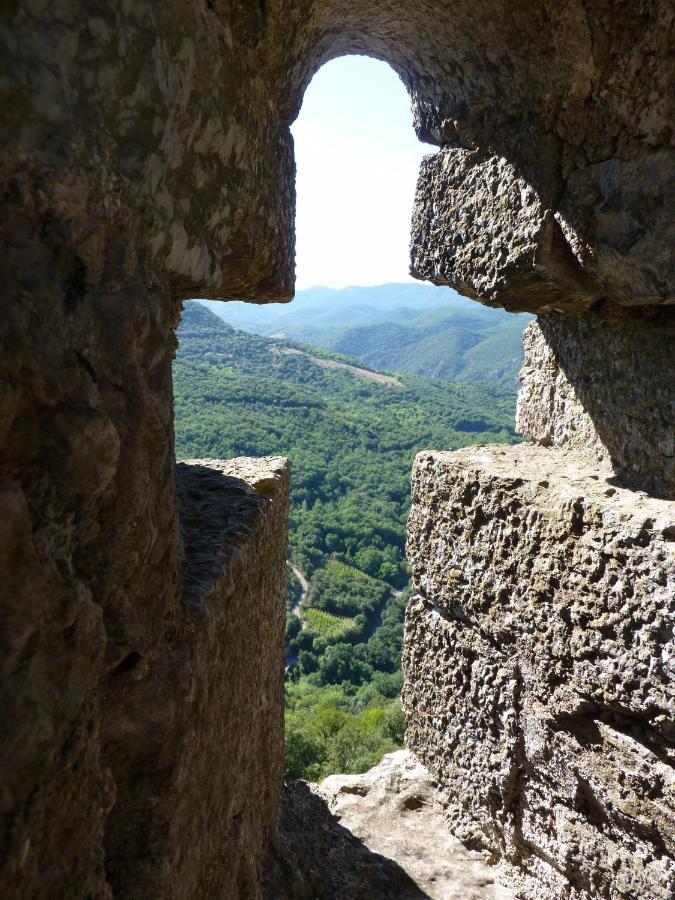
column 590, row 384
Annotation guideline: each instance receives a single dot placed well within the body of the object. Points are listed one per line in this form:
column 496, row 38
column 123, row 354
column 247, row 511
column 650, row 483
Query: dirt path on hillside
column 292, row 660
column 304, row 584
column 365, row 374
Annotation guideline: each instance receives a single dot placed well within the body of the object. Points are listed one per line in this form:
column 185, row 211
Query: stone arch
column 529, row 123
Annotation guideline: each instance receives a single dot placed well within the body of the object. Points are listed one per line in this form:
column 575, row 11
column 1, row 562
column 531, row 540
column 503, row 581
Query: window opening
column 362, row 370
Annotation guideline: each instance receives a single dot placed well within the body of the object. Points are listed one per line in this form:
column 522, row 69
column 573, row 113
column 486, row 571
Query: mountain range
column 351, row 434
column 412, row 327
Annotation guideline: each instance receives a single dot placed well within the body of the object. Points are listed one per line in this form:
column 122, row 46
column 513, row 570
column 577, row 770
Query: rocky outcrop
column 381, row 835
column 539, row 666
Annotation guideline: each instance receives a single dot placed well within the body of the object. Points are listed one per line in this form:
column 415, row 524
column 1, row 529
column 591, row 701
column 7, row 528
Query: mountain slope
column 351, row 436
column 415, row 328
column 317, row 310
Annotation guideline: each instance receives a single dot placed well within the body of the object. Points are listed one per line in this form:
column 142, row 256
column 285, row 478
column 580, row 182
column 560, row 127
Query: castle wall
column 118, row 122
column 539, row 666
column 195, row 735
column 176, row 784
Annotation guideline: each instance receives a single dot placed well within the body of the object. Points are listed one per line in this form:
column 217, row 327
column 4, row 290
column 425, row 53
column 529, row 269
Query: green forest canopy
column 351, row 442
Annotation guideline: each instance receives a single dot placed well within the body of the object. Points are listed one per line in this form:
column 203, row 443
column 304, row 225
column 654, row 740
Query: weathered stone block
column 482, row 228
column 539, row 666
column 196, row 747
column 617, row 215
column 601, row 384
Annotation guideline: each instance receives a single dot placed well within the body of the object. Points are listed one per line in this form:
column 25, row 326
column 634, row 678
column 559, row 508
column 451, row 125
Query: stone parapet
column 197, row 744
column 168, row 783
column 539, row 666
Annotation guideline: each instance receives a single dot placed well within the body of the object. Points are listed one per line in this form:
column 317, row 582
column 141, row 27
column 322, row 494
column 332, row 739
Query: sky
column 357, row 159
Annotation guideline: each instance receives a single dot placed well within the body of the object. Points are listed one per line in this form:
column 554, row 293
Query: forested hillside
column 351, row 437
column 418, row 328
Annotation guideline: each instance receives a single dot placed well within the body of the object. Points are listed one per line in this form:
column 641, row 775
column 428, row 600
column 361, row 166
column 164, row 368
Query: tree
column 394, row 724
column 388, row 571
column 304, row 751
column 339, row 664
column 293, row 627
column 308, row 662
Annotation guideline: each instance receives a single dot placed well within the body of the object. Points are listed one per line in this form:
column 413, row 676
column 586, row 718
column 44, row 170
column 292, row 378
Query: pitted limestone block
column 540, row 667
column 589, row 384
column 484, row 229
column 196, row 735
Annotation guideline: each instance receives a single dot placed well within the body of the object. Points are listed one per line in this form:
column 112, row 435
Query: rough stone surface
column 201, row 785
column 587, row 384
column 381, row 836
column 624, row 204
column 192, row 735
column 610, row 236
column 540, row 666
column 172, row 122
column 526, row 265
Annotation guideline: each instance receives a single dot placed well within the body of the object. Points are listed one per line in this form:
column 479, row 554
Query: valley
column 351, row 434
column 418, row 328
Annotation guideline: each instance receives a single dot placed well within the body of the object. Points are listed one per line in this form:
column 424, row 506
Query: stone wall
column 539, row 666
column 176, row 784
column 590, row 384
column 195, row 739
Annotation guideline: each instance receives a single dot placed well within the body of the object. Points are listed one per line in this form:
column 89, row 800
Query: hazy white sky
column 357, row 160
